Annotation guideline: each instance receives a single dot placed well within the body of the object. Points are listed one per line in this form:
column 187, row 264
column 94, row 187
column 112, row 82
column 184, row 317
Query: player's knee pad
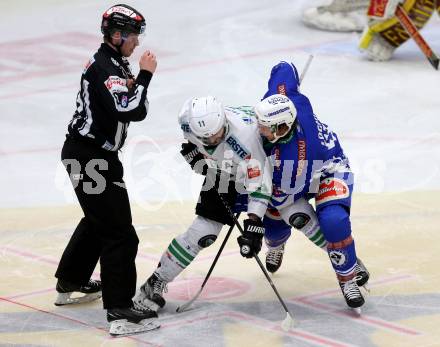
column 301, row 216
column 299, row 220
column 184, row 248
column 334, row 221
column 201, row 234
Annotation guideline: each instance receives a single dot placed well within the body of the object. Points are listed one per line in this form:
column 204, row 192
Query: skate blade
column 65, row 299
column 122, row 327
column 357, row 310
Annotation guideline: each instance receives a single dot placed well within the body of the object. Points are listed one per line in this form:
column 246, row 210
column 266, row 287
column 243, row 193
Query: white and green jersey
column 241, row 154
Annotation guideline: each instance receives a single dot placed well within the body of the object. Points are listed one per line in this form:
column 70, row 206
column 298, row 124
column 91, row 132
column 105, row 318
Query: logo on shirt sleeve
column 253, row 172
column 116, row 84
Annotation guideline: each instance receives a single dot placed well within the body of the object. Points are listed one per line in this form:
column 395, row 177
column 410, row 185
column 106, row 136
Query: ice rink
column 387, row 116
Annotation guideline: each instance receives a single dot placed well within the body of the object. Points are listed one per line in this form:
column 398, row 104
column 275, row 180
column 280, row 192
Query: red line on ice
column 73, row 320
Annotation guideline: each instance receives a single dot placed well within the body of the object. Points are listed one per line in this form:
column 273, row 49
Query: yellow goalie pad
column 420, row 11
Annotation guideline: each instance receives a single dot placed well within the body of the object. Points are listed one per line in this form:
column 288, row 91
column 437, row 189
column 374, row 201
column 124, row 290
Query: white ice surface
column 387, row 115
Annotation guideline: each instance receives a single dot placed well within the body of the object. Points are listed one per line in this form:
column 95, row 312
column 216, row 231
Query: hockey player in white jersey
column 223, row 144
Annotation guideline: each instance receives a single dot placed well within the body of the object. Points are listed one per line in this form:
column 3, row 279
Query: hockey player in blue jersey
column 308, row 162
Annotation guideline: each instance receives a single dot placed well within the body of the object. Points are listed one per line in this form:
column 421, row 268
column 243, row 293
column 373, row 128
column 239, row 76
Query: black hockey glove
column 251, row 240
column 192, row 155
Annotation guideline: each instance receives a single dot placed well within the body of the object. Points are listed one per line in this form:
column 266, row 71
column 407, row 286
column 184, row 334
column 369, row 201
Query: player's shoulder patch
column 116, row 84
column 185, row 127
column 184, row 123
column 245, row 113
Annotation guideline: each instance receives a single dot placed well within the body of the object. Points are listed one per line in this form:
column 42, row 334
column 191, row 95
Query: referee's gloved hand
column 192, row 156
column 251, row 240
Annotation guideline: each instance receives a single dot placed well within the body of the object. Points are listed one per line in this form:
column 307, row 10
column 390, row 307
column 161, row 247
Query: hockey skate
column 274, row 258
column 362, row 275
column 65, row 289
column 352, row 294
column 131, row 320
column 151, row 294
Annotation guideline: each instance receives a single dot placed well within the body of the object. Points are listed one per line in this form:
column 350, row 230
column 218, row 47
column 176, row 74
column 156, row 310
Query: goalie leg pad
column 184, row 248
column 382, row 36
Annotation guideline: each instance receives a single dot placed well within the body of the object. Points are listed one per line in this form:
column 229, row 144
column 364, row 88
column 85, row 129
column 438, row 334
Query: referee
column 110, row 97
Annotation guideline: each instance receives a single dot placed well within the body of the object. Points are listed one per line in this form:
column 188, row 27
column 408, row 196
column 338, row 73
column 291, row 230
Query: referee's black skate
column 352, row 294
column 150, row 295
column 274, row 258
column 131, row 320
column 92, row 291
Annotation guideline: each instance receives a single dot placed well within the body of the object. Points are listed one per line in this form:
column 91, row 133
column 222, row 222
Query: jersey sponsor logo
column 115, row 82
column 253, row 172
column 237, row 147
column 332, row 189
column 301, row 157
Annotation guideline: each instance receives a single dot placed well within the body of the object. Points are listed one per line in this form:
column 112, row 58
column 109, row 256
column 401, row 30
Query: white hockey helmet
column 274, row 111
column 206, row 118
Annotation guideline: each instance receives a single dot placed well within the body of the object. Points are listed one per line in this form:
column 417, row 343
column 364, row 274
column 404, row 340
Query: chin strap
column 118, row 47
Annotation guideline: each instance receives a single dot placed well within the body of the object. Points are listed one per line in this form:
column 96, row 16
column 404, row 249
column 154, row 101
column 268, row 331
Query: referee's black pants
column 106, row 231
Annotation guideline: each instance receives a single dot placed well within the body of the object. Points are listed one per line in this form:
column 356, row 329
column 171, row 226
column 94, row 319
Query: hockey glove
column 251, row 240
column 192, row 155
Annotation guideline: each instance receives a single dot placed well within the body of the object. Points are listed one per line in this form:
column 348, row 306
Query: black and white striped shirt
column 105, row 105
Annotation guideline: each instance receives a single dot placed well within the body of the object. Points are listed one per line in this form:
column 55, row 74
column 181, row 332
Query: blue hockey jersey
column 309, row 154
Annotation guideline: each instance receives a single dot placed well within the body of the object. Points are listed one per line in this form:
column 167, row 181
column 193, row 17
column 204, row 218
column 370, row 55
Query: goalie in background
column 339, row 15
column 383, row 35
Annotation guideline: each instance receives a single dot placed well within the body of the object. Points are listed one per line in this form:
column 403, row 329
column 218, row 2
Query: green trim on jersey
column 260, row 195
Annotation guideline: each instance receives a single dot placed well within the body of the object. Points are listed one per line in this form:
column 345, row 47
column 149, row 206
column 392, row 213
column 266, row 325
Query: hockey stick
column 187, row 304
column 412, row 30
column 306, row 67
column 287, row 323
